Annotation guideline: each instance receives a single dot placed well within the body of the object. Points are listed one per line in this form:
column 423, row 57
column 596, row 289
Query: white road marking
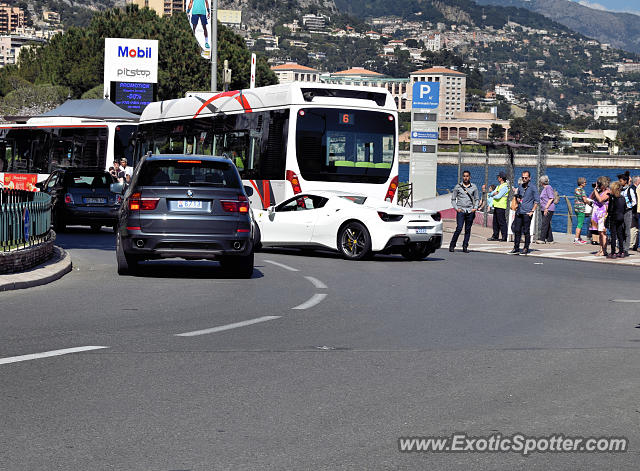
column 315, row 299
column 52, row 353
column 281, row 265
column 228, row 326
column 625, row 300
column 316, row 282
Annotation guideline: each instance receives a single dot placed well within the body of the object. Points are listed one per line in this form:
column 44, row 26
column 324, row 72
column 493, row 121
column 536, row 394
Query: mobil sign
column 426, row 95
column 130, row 60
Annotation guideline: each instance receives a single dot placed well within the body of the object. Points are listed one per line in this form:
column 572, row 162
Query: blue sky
column 614, row 5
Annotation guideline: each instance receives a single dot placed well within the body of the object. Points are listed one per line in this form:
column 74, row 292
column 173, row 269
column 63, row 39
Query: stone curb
column 52, row 270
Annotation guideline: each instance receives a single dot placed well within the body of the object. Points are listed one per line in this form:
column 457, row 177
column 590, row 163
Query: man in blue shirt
column 528, row 199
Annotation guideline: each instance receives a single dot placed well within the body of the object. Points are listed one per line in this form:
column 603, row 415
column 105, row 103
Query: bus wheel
column 354, row 241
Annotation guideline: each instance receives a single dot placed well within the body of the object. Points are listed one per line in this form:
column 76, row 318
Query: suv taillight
column 68, row 199
column 241, row 205
column 136, row 203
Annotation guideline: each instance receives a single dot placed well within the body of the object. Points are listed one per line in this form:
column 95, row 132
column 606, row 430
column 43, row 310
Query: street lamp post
column 214, row 45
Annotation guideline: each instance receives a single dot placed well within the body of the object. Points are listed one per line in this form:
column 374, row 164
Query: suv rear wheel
column 127, row 264
column 237, row 265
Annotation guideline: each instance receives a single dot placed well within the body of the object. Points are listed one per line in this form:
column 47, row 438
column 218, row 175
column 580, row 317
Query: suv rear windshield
column 89, row 180
column 189, row 172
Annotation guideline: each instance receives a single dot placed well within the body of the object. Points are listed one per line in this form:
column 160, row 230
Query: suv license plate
column 189, row 204
column 422, row 230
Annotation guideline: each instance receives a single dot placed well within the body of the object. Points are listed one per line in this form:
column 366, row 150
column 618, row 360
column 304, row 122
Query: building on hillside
column 315, row 22
column 433, row 42
column 293, row 72
column 162, row 7
column 453, row 88
column 506, row 91
column 467, row 125
column 12, row 45
column 11, row 18
column 358, row 76
column 601, row 141
column 231, row 18
column 629, row 67
column 52, row 17
column 605, row 109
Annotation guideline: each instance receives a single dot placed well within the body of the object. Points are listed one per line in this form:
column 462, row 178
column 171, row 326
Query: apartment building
column 453, row 87
column 162, row 7
column 11, row 18
column 605, row 109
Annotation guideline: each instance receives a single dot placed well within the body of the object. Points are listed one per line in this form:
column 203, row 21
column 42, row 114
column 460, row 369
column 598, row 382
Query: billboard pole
column 214, row 45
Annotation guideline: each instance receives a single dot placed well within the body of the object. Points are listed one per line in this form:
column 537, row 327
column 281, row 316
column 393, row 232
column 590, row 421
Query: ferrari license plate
column 95, row 200
column 422, row 230
column 189, row 204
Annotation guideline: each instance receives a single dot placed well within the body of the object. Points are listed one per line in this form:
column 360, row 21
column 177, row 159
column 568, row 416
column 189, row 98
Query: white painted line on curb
column 315, row 299
column 281, row 265
column 316, row 282
column 227, row 327
column 52, row 353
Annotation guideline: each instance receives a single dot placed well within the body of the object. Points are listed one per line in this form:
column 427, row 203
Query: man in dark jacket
column 529, row 199
column 465, row 200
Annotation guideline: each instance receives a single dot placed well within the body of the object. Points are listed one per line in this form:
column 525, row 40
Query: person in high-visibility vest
column 500, row 198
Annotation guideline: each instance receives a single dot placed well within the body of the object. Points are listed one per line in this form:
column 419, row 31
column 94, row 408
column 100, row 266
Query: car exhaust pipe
column 139, row 243
column 237, row 245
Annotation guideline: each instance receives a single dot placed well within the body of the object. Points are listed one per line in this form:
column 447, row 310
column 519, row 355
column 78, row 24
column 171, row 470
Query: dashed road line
column 281, row 265
column 222, row 328
column 52, row 353
column 316, row 282
column 315, row 299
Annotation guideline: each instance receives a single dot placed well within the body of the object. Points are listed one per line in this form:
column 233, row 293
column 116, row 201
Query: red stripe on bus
column 244, row 102
column 259, row 194
column 210, row 100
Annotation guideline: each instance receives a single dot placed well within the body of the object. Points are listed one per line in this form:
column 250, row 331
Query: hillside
column 621, row 30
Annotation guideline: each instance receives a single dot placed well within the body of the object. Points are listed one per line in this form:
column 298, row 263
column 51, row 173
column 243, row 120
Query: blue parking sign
column 426, row 95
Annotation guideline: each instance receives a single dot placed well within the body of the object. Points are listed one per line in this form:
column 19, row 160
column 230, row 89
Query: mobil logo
column 133, row 52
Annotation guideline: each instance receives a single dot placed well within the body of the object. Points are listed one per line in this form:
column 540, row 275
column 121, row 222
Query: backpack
column 556, row 197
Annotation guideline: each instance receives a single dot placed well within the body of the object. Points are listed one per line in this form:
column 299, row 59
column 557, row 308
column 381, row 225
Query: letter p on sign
column 424, row 90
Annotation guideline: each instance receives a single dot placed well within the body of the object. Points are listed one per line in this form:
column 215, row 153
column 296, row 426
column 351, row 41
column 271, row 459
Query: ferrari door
column 292, row 222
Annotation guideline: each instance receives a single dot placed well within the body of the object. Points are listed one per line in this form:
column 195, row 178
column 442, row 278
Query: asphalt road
column 320, row 364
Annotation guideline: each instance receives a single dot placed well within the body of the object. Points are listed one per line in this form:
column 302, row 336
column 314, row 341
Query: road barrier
column 25, row 219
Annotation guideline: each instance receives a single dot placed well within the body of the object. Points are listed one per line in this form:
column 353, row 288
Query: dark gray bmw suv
column 186, row 206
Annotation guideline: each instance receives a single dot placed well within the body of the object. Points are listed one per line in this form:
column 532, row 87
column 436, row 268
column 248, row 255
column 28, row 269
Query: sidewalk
column 562, row 249
column 53, row 269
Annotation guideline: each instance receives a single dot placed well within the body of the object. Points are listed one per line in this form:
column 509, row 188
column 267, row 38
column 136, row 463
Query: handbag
column 514, row 204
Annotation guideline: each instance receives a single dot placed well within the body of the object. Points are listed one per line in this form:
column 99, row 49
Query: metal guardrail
column 25, row 218
column 405, row 194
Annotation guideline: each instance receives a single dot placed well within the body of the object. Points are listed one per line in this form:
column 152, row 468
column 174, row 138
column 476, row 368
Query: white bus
column 45, row 143
column 285, row 139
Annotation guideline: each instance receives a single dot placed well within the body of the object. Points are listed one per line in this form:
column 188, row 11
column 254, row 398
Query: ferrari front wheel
column 354, row 241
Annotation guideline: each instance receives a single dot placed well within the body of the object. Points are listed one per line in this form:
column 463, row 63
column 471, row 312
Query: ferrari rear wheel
column 416, row 251
column 354, row 241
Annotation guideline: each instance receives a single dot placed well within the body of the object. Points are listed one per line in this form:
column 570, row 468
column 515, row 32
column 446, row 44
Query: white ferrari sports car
column 351, row 224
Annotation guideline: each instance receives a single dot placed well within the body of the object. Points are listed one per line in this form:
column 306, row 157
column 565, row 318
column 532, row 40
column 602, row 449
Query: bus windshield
column 338, row 145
